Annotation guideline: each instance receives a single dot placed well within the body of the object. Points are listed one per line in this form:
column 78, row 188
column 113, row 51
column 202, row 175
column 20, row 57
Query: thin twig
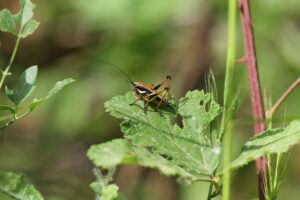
column 256, row 97
column 271, row 112
column 6, row 72
column 210, row 180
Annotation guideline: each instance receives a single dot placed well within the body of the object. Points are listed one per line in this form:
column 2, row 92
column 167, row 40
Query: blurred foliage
column 148, row 39
column 14, row 186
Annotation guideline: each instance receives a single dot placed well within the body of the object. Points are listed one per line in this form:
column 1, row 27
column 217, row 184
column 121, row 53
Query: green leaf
column 7, row 22
column 26, row 25
column 97, row 188
column 102, row 188
column 187, row 147
column 56, row 88
column 119, row 151
column 25, row 86
column 29, row 28
column 110, row 192
column 15, row 186
column 108, row 155
column 278, row 140
column 35, row 103
column 26, row 12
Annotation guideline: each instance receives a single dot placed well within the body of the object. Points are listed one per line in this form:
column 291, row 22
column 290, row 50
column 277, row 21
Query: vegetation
column 194, row 138
column 21, row 25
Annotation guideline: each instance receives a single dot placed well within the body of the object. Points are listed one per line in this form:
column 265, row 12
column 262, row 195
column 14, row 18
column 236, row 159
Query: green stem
column 211, row 185
column 226, row 162
column 210, row 190
column 270, row 174
column 210, row 180
column 230, row 60
column 226, row 126
column 277, row 170
column 6, row 72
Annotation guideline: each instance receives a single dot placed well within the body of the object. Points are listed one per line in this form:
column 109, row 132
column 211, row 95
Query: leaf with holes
column 187, row 147
column 120, row 151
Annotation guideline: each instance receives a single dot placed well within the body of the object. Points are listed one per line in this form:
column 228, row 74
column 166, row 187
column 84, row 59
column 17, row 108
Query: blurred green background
column 148, row 39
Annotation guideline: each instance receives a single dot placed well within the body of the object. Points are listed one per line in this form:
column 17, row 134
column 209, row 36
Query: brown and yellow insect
column 155, row 95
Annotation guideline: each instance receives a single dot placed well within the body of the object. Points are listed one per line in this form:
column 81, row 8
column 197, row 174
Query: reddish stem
column 256, row 97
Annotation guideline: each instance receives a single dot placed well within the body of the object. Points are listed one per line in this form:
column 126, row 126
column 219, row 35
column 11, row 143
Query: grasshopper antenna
column 120, row 70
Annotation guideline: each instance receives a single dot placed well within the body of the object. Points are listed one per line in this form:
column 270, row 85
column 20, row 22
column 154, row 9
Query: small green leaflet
column 108, row 192
column 187, row 147
column 56, row 88
column 102, row 187
column 7, row 22
column 120, row 151
column 277, row 140
column 20, row 24
column 29, row 28
column 24, row 18
column 26, row 12
column 25, row 86
column 15, row 186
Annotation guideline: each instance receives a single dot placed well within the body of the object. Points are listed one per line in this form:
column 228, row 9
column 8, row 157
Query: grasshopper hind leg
column 163, row 98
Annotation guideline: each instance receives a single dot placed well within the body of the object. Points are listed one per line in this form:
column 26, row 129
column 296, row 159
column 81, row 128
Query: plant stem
column 230, row 61
column 226, row 162
column 277, row 171
column 227, row 113
column 6, row 72
column 256, row 97
column 209, row 191
column 283, row 98
column 210, row 180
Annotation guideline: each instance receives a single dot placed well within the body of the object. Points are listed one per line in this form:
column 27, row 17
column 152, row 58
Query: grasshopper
column 156, row 95
column 151, row 93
